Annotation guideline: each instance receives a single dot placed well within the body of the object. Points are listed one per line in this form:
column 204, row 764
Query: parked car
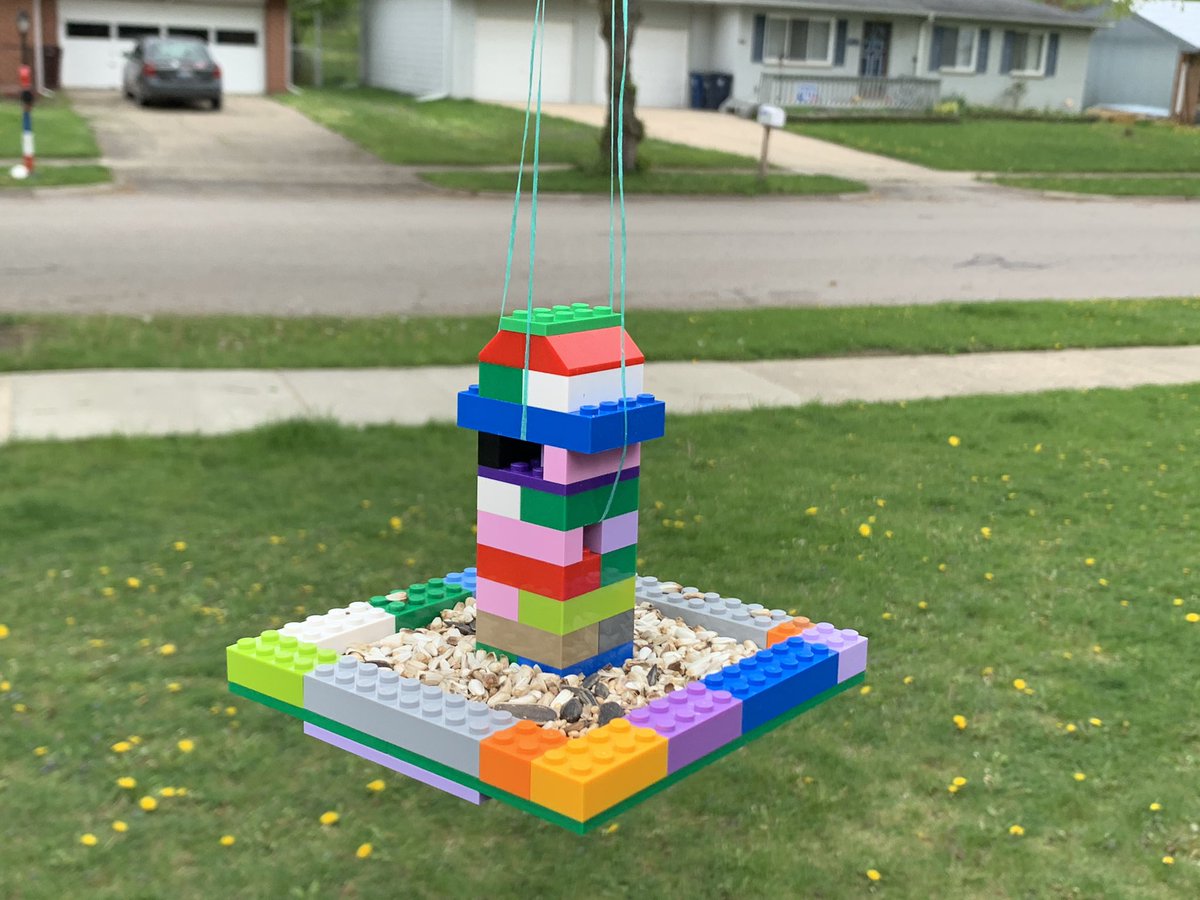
column 172, row 68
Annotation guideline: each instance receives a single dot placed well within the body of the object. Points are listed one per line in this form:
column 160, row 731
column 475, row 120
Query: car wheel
column 216, row 103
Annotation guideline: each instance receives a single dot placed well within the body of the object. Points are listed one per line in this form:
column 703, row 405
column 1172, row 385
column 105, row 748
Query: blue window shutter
column 760, row 36
column 1006, row 53
column 839, row 44
column 981, row 55
column 935, row 48
column 1052, row 54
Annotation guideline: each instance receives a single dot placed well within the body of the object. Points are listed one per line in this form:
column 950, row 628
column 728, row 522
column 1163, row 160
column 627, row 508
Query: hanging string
column 539, row 33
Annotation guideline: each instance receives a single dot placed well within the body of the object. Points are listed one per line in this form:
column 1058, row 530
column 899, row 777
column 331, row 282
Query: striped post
column 26, row 76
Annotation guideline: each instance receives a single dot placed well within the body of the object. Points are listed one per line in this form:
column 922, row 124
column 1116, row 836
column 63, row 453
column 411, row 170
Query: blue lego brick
column 615, row 657
column 465, row 578
column 423, row 719
column 591, row 429
column 774, row 681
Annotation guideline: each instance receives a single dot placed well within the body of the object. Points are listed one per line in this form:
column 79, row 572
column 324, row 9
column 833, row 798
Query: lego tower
column 557, row 544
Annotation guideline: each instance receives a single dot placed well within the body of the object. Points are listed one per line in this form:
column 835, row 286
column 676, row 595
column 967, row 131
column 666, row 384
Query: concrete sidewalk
column 65, row 405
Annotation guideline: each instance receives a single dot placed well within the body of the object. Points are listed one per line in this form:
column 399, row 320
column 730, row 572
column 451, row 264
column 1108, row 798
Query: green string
column 539, row 29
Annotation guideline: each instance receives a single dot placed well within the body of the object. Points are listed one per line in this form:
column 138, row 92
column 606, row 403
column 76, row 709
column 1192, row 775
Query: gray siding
column 406, row 45
column 1132, row 62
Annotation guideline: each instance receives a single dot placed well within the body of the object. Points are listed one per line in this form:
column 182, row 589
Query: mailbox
column 771, row 116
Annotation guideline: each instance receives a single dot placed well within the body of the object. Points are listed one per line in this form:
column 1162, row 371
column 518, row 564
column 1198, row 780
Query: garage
column 658, row 66
column 502, row 59
column 95, row 35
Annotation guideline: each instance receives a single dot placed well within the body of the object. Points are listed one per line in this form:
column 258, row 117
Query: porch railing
column 903, row 93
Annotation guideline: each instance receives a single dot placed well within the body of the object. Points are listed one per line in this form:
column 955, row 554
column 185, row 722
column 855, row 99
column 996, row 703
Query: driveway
column 253, row 142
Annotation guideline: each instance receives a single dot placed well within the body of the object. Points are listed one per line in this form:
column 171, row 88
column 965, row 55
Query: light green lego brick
column 274, row 664
column 560, row 320
column 564, row 513
column 501, row 382
column 565, row 616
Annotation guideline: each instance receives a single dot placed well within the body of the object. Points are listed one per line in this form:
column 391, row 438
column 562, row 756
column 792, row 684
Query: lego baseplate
column 473, row 752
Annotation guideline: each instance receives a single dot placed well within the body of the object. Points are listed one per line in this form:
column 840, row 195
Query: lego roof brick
column 561, row 319
column 564, row 354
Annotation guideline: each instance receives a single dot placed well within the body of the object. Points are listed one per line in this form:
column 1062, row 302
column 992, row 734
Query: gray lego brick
column 616, row 630
column 724, row 615
column 425, row 719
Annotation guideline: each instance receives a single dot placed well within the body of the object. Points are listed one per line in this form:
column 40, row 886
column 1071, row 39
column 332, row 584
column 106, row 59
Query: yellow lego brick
column 590, row 774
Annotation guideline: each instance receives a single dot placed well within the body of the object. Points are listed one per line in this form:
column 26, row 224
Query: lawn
column 652, row 182
column 57, row 176
column 398, row 129
column 1025, row 579
column 1022, row 146
column 72, row 342
column 1188, row 186
column 58, row 130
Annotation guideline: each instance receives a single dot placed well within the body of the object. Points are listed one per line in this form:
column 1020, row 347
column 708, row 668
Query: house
column 990, row 52
column 82, row 43
column 1148, row 61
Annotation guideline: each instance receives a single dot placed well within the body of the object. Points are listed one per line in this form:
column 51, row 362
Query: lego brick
column 529, row 474
column 498, row 599
column 498, row 498
column 566, row 467
column 416, row 773
column 499, row 452
column 564, row 354
column 547, row 579
column 464, row 579
column 549, row 545
column 773, row 681
column 784, row 630
column 421, row 718
column 615, row 630
column 617, row 565
column 501, row 382
column 419, row 604
column 274, row 664
column 724, row 615
column 524, row 641
column 578, row 510
column 591, row 429
column 506, row 757
column 560, row 319
column 695, row 721
column 612, row 533
column 562, row 617
column 565, row 393
column 616, row 657
column 591, row 774
column 358, row 623
column 848, row 644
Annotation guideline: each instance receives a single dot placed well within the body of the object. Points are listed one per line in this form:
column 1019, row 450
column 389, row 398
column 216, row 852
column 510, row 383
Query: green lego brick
column 501, row 382
column 576, row 510
column 560, row 319
column 274, row 664
column 617, row 565
column 424, row 603
column 565, row 616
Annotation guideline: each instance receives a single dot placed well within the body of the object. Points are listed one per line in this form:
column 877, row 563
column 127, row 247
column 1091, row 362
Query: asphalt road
column 248, row 252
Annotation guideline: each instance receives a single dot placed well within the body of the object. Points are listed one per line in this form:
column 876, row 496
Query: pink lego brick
column 848, row 644
column 695, row 721
column 566, row 467
column 611, row 534
column 496, row 598
column 561, row 548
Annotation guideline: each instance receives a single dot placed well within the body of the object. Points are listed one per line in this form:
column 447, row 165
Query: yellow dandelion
column 880, row 502
column 954, row 440
column 108, row 592
column 148, row 803
column 5, row 687
column 1168, row 860
column 1080, row 776
column 611, row 829
column 396, row 523
column 329, row 818
column 1103, row 582
column 40, row 751
column 960, row 722
column 174, row 687
column 231, row 710
column 186, row 745
column 1193, row 617
column 886, row 615
column 364, row 850
column 952, row 788
column 921, row 604
column 988, row 576
column 88, row 840
column 166, row 650
column 127, row 782
column 4, row 632
column 986, row 532
column 1071, row 728
column 1019, row 684
column 1096, row 648
column 121, row 747
column 812, row 510
column 133, row 582
column 179, row 546
column 1089, row 562
column 865, row 689
column 908, row 679
column 873, row 875
column 1093, row 721
column 227, row 840
column 941, row 567
column 377, row 785
column 1155, row 806
column 1016, row 830
column 959, row 781
column 120, row 827
column 20, row 708
column 864, row 530
column 166, row 792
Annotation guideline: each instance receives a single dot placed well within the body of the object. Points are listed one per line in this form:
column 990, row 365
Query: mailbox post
column 768, row 117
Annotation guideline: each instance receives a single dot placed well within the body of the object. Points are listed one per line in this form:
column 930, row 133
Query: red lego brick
column 546, row 579
column 563, row 354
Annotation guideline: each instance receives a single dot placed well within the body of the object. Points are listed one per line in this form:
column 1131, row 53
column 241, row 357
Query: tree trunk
column 617, row 51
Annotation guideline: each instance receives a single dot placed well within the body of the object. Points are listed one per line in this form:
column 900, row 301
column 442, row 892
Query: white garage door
column 96, row 34
column 502, row 60
column 659, row 66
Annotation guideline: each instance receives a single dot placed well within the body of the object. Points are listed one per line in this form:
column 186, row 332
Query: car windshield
column 183, row 52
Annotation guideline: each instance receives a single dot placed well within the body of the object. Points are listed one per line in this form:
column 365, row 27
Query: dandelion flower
column 127, row 782
column 40, row 751
column 1089, row 562
column 174, row 687
column 812, row 510
column 1016, row 830
column 121, row 747
column 1019, row 684
column 1178, row 601
column 959, row 781
column 148, row 803
column 88, row 840
column 908, row 679
column 1103, row 582
column 864, row 530
column 5, row 687
column 179, row 546
column 1155, row 806
column 612, row 828
column 960, row 722
column 364, row 850
column 108, row 592
column 1071, row 728
column 167, row 650
column 1080, row 776
column 1193, row 617
column 953, row 788
column 1167, row 860
column 186, row 745
column 873, row 875
column 921, row 604
column 865, row 689
column 986, row 532
column 954, row 440
column 227, row 840
column 166, row 792
column 377, row 785
column 1095, row 722
column 4, row 632
column 133, row 582
column 120, row 827
column 329, row 818
column 396, row 523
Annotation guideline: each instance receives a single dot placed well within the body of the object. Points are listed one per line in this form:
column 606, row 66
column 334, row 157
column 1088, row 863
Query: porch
column 902, row 93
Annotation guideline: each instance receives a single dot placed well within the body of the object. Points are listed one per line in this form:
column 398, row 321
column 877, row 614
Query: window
column 799, row 41
column 137, row 31
column 958, row 49
column 242, row 38
column 199, row 33
column 89, row 30
column 1028, row 55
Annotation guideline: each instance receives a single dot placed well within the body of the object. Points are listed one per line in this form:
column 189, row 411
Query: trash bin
column 696, row 81
column 717, row 88
column 51, row 67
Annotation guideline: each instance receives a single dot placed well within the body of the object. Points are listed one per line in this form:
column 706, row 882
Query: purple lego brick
column 695, row 721
column 531, row 475
column 850, row 646
column 396, row 765
column 611, row 534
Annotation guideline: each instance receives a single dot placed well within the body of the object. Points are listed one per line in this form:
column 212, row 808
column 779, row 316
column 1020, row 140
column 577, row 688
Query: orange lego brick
column 505, row 757
column 792, row 628
column 597, row 771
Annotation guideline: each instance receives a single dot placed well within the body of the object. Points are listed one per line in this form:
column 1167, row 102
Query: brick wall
column 276, row 49
column 10, row 42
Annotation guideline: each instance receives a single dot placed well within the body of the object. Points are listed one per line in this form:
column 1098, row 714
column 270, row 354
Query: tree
column 617, row 48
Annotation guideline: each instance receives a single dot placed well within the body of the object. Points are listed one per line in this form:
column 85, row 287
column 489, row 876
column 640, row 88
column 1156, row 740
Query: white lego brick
column 358, row 623
column 567, row 393
column 499, row 498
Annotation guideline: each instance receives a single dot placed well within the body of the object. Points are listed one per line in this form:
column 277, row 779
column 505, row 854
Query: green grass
column 32, row 342
column 1112, row 186
column 57, row 176
column 652, row 182
column 1022, row 146
column 956, row 612
column 399, row 130
column 57, row 128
